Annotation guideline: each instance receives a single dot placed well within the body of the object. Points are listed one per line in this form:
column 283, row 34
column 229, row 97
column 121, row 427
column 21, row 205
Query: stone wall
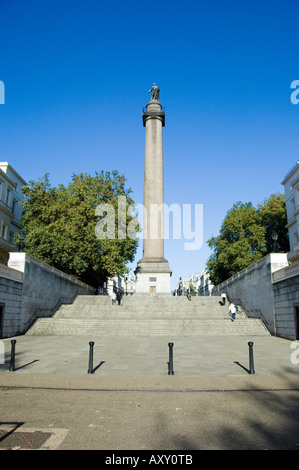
column 252, row 288
column 11, row 288
column 33, row 289
column 286, row 298
column 286, row 301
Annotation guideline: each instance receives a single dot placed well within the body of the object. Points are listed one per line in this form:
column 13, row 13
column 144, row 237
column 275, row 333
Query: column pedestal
column 153, row 277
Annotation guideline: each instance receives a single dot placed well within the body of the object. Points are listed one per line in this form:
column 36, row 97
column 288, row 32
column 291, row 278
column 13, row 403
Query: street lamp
column 274, row 238
column 21, row 241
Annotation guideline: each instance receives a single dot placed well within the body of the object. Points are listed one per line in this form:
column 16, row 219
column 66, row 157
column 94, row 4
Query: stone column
column 153, row 243
column 153, row 272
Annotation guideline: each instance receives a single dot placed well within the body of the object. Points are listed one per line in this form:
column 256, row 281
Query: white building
column 124, row 285
column 129, row 284
column 10, row 209
column 200, row 282
column 181, row 287
column 205, row 286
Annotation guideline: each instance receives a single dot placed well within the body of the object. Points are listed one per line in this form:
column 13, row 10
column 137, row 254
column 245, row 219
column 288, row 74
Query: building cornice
column 15, row 173
column 291, row 172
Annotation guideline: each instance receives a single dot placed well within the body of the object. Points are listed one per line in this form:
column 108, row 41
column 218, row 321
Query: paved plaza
column 130, row 402
column 195, row 357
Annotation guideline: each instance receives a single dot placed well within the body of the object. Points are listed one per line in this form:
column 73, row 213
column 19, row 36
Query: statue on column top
column 155, row 92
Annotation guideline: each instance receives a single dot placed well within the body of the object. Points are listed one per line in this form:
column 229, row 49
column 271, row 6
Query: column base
column 153, row 277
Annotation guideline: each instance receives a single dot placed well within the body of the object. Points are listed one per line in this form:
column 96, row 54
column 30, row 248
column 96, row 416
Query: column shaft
column 153, row 243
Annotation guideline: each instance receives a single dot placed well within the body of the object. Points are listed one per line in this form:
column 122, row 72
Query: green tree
column 60, row 226
column 246, row 236
column 193, row 290
column 274, row 218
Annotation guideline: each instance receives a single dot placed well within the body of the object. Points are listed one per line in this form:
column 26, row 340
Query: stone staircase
column 147, row 316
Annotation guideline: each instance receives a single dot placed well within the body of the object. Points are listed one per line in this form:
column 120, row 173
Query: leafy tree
column 274, row 218
column 60, row 226
column 193, row 290
column 246, row 236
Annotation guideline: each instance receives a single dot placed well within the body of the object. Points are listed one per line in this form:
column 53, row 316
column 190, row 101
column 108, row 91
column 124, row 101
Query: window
column 1, row 189
column 8, row 196
column 13, row 206
column 4, row 231
column 1, row 323
column 293, row 207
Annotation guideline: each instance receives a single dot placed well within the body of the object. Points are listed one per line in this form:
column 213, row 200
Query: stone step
column 146, row 300
column 154, row 306
column 146, row 316
column 122, row 313
column 145, row 327
column 99, row 304
column 148, row 308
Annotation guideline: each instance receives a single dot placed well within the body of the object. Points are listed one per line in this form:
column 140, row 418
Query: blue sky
column 77, row 75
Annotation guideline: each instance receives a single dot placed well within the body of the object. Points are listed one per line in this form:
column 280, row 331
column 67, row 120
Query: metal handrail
column 144, row 110
column 258, row 312
column 290, row 171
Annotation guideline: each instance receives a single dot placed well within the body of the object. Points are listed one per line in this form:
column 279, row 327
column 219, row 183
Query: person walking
column 118, row 297
column 232, row 309
column 113, row 297
column 223, row 298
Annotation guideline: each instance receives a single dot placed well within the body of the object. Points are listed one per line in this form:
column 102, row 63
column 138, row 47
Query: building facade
column 291, row 189
column 205, row 287
column 200, row 283
column 124, row 285
column 10, row 209
column 286, row 280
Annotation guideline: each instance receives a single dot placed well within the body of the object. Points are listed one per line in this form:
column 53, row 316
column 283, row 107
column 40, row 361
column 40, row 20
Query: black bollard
column 251, row 365
column 90, row 367
column 170, row 363
column 12, row 356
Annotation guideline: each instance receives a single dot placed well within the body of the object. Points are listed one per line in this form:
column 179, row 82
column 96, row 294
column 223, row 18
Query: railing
column 46, row 312
column 144, row 110
column 253, row 313
column 293, row 167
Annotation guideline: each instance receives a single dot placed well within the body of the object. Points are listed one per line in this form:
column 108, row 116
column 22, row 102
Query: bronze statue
column 155, row 92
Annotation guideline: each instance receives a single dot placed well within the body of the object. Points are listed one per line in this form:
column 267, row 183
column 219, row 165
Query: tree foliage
column 273, row 216
column 60, row 226
column 246, row 235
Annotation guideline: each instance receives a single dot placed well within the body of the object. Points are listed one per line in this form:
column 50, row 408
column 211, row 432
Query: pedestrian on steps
column 232, row 309
column 118, row 297
column 223, row 298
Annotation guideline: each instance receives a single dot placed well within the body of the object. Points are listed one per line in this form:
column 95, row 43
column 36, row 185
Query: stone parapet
column 31, row 289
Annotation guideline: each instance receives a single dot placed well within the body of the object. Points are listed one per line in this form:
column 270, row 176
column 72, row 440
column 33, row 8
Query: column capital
column 153, row 110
